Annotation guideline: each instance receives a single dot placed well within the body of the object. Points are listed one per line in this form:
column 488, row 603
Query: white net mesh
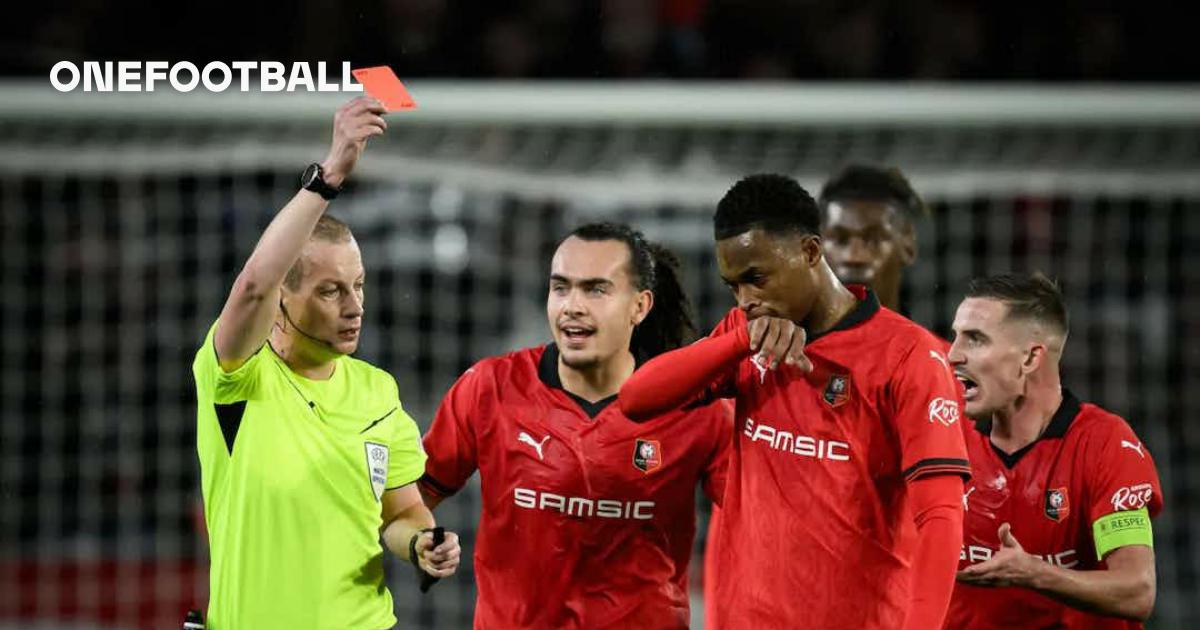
column 124, row 223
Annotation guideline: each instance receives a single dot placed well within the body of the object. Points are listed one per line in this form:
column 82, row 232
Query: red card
column 382, row 83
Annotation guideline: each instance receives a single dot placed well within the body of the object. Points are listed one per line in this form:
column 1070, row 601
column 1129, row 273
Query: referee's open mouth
column 348, row 334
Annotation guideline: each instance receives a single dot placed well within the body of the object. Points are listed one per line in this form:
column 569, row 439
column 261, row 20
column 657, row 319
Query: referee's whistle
column 439, row 537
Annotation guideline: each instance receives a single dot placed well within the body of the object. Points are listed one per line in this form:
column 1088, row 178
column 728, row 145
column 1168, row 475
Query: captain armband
column 1131, row 527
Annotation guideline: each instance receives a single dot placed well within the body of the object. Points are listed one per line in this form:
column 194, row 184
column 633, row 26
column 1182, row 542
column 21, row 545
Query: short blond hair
column 329, row 229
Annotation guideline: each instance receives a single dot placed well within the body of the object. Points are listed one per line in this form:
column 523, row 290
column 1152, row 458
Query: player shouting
column 588, row 518
column 1057, row 525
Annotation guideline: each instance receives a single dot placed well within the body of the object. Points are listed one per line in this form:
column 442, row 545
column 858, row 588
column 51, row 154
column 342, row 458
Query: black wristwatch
column 313, row 179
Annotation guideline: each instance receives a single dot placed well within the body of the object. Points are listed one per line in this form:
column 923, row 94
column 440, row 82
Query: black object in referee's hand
column 427, row 581
column 193, row 621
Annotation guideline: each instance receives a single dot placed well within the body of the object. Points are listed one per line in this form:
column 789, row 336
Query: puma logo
column 537, row 446
column 967, row 508
column 939, row 358
column 760, row 363
column 1136, row 447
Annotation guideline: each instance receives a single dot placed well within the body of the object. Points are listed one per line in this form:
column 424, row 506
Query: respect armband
column 1131, row 527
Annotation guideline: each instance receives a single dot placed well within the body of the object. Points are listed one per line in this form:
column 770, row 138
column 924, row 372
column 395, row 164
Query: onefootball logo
column 185, row 76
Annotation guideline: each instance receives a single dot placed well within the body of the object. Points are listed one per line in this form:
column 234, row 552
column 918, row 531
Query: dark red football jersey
column 588, row 518
column 1087, row 464
column 712, row 542
column 815, row 527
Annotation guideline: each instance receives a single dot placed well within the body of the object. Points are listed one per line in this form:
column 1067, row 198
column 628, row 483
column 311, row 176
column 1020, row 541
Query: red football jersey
column 588, row 518
column 712, row 542
column 815, row 527
column 1087, row 464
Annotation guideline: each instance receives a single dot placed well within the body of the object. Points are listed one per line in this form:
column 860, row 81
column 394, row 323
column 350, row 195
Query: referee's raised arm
column 251, row 308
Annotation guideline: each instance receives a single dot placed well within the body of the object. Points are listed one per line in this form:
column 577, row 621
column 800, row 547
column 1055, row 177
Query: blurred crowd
column 718, row 39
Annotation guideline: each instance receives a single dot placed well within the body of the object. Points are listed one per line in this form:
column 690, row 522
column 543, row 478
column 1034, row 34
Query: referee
column 307, row 458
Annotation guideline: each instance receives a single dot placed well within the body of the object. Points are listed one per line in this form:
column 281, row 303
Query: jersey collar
column 868, row 305
column 548, row 374
column 1067, row 410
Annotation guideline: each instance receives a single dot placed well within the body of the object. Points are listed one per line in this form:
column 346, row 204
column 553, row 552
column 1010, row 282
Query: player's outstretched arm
column 406, row 517
column 250, row 309
column 675, row 378
column 1125, row 589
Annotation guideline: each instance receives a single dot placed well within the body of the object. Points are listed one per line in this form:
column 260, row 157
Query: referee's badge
column 377, row 467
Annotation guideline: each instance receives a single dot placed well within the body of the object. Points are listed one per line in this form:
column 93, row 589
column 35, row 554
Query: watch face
column 310, row 174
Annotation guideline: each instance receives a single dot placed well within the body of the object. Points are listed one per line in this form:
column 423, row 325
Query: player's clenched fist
column 353, row 124
column 779, row 340
column 441, row 561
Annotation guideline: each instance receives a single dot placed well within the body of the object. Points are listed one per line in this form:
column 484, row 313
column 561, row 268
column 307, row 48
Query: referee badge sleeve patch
column 377, row 467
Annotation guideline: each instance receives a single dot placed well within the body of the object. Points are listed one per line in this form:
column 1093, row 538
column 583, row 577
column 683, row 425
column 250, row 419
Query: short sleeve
column 226, row 387
column 1122, row 475
column 406, row 463
column 926, row 405
column 716, row 470
column 450, row 442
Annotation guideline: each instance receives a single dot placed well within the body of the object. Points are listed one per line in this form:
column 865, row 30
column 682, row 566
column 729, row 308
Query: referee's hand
column 353, row 124
column 441, row 561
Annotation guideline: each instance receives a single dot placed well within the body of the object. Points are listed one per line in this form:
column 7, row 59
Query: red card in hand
column 382, row 83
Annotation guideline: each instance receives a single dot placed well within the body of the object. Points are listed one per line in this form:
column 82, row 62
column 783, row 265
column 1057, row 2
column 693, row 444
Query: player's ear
column 810, row 246
column 1034, row 357
column 642, row 306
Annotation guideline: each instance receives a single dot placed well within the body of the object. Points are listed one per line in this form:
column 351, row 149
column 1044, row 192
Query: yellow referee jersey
column 292, row 472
